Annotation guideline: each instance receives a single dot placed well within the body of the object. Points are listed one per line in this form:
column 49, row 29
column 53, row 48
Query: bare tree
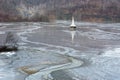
column 31, row 12
column 11, row 40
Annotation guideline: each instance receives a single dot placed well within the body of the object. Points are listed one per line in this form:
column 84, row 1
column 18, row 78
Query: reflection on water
column 73, row 35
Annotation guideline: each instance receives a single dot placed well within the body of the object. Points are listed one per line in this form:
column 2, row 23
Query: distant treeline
column 50, row 10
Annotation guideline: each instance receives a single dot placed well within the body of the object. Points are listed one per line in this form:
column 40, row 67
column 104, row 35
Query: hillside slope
column 36, row 10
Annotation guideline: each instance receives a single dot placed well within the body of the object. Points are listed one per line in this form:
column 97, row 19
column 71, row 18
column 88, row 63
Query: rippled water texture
column 53, row 51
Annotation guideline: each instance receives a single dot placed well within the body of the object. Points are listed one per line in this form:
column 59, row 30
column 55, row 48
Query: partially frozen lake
column 54, row 52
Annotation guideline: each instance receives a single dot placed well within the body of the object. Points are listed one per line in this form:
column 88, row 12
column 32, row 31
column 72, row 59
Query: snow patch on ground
column 9, row 54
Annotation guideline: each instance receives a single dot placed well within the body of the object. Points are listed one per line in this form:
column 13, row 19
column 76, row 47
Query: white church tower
column 73, row 23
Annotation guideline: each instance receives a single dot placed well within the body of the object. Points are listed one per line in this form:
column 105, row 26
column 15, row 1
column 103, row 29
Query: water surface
column 48, row 50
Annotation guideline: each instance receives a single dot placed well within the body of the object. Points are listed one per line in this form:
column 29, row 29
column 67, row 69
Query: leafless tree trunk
column 11, row 40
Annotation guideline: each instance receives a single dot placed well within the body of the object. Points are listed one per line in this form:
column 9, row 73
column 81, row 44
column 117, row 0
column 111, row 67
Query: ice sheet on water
column 33, row 57
column 103, row 67
column 2, row 63
column 99, row 34
column 112, row 52
column 2, row 32
column 5, row 76
column 5, row 24
column 10, row 74
column 100, row 68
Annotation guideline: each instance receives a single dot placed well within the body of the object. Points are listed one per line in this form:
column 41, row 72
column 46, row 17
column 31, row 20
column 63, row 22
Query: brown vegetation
column 27, row 70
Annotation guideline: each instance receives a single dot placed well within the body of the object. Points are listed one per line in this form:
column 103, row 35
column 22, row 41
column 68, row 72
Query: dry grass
column 27, row 70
